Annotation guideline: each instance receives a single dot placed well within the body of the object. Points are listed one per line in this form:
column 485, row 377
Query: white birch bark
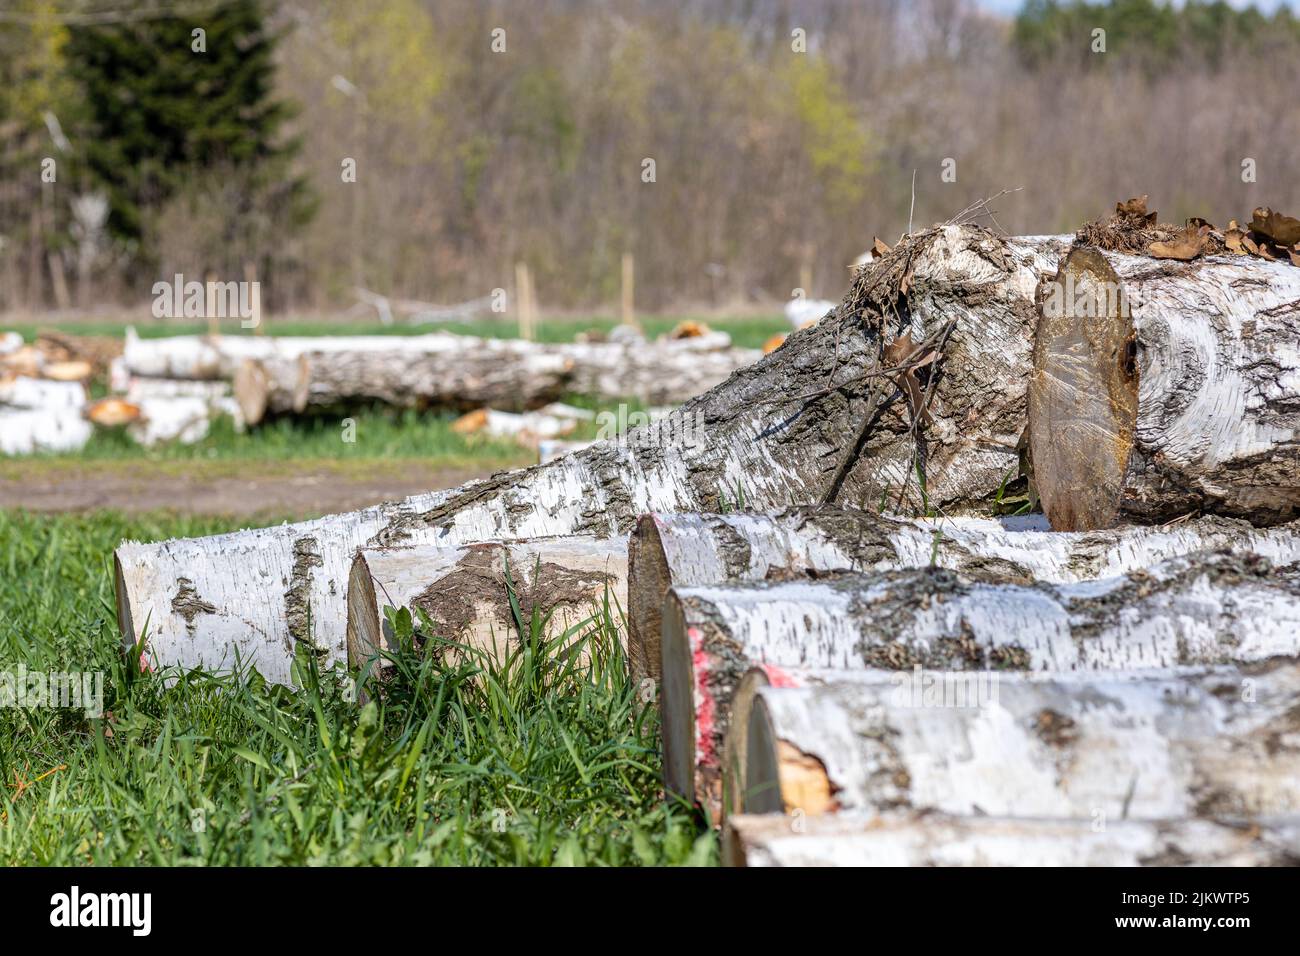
column 781, row 432
column 219, row 356
column 670, row 550
column 24, row 431
column 43, row 394
column 468, row 373
column 441, row 368
column 138, row 388
column 942, row 840
column 1199, row 610
column 1221, row 743
column 463, row 590
column 667, row 372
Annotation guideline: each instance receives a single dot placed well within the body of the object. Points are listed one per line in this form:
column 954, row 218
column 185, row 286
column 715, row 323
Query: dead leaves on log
column 1281, row 230
column 1186, row 246
column 903, row 357
column 1132, row 229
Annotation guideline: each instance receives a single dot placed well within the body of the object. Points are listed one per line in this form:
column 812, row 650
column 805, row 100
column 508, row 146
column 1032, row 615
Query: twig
column 912, row 208
column 980, row 208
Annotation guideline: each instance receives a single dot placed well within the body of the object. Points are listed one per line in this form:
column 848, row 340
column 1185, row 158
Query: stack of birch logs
column 855, row 661
column 295, row 375
column 171, row 389
column 43, row 390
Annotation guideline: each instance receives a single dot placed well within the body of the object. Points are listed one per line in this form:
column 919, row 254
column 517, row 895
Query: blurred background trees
column 773, row 168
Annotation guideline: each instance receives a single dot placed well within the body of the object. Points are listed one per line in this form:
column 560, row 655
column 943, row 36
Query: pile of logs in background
column 855, row 661
column 171, row 389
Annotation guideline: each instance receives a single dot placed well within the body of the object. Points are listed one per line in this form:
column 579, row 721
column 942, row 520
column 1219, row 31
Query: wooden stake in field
column 628, row 311
column 524, row 302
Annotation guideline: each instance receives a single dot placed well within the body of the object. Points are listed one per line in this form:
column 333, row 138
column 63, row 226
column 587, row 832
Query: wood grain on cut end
column 648, row 580
column 677, row 694
column 735, row 757
column 364, row 629
column 1082, row 394
column 125, row 621
column 779, row 777
column 251, row 387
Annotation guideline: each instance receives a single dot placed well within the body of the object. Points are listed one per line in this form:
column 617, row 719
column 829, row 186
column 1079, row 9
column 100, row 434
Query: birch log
column 933, row 839
column 468, row 373
column 464, row 591
column 40, row 393
column 24, row 431
column 208, row 357
column 1220, row 744
column 667, row 372
column 1198, row 610
column 459, row 371
column 1163, row 388
column 758, row 432
column 669, row 550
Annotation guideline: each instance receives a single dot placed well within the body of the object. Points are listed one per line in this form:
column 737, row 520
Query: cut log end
column 649, row 579
column 779, row 777
column 252, row 388
column 125, row 620
column 364, row 629
column 736, row 752
column 762, row 784
column 676, row 697
column 1083, row 394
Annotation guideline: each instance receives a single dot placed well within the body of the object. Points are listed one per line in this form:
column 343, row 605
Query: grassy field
column 536, row 761
column 383, row 435
column 747, row 332
column 533, row 761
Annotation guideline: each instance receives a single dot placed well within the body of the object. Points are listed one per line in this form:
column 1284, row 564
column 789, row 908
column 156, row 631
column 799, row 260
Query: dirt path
column 234, row 489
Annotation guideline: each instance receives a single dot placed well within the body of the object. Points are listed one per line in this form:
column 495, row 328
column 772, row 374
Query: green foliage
column 834, row 140
column 545, row 758
column 1152, row 35
column 159, row 113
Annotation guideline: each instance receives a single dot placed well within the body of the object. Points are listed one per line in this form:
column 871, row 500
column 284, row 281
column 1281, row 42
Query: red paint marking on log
column 777, row 677
column 704, row 703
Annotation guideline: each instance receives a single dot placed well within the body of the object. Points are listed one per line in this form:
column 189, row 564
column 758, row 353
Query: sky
column 1012, row 6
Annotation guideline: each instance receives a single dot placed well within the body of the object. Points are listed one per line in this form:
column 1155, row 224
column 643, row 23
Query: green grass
column 379, row 434
column 537, row 760
column 747, row 332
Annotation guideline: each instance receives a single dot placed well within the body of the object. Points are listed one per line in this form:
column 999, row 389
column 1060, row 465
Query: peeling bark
column 1199, row 610
column 464, row 590
column 937, row 840
column 670, row 550
column 1106, row 747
